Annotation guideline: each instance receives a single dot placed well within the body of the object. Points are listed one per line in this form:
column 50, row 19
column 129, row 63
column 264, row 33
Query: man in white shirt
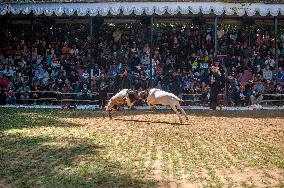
column 269, row 61
column 267, row 73
column 85, row 75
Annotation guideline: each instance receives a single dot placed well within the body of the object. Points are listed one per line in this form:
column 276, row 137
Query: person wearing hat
column 215, row 85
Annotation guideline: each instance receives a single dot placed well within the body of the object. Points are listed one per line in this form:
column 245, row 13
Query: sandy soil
column 223, row 148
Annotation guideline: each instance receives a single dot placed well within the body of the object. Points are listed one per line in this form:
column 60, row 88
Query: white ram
column 159, row 97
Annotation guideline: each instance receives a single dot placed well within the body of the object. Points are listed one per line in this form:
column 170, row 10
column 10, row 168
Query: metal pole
column 91, row 27
column 276, row 46
column 249, row 36
column 32, row 35
column 32, row 23
column 215, row 36
column 151, row 50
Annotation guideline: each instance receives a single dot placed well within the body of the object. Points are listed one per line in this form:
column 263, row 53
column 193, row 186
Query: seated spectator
column 2, row 69
column 205, row 95
column 279, row 89
column 85, row 93
column 270, row 62
column 85, row 75
column 96, row 71
column 256, row 97
column 145, row 60
column 3, row 96
column 267, row 73
column 280, row 75
column 11, row 98
column 113, row 71
column 117, row 35
column 24, row 91
column 245, row 76
column 242, row 96
column 4, row 82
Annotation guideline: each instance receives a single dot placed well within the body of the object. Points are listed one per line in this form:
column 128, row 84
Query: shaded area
column 35, row 158
column 28, row 118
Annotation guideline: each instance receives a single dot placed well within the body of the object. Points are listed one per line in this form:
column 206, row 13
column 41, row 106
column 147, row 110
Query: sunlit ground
column 54, row 148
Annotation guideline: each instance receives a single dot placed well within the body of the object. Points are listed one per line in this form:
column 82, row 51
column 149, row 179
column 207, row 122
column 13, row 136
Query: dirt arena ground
column 54, row 148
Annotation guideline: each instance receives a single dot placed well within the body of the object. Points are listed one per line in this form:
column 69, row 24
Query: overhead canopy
column 139, row 8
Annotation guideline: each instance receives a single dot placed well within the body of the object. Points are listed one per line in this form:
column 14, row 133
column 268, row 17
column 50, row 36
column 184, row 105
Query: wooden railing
column 56, row 97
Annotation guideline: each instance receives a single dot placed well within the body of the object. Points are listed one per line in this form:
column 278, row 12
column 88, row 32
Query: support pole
column 91, row 27
column 32, row 25
column 276, row 46
column 215, row 36
column 32, row 35
column 151, row 50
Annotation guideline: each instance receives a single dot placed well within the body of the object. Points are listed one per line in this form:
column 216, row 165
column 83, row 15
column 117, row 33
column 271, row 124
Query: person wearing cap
column 215, row 85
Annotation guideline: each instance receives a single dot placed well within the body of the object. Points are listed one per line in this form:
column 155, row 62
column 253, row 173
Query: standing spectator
column 103, row 85
column 125, row 80
column 215, row 87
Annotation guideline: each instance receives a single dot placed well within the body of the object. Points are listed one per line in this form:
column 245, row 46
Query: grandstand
column 56, row 52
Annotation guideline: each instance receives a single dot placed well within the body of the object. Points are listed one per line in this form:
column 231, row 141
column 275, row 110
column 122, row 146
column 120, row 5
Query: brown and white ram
column 125, row 96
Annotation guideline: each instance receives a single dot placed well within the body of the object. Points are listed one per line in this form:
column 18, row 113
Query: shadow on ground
column 148, row 121
column 49, row 160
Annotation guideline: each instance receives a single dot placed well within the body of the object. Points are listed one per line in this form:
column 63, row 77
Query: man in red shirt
column 4, row 82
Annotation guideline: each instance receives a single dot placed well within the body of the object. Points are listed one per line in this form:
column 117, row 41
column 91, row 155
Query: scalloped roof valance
column 139, row 8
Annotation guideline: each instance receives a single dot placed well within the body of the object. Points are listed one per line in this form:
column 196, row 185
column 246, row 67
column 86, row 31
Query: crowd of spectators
column 66, row 59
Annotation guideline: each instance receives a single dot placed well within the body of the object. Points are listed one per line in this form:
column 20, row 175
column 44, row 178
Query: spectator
column 267, row 73
column 215, row 86
column 4, row 82
column 66, row 59
column 270, row 62
column 256, row 97
column 11, row 98
column 280, row 75
column 113, row 71
column 103, row 84
column 3, row 96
